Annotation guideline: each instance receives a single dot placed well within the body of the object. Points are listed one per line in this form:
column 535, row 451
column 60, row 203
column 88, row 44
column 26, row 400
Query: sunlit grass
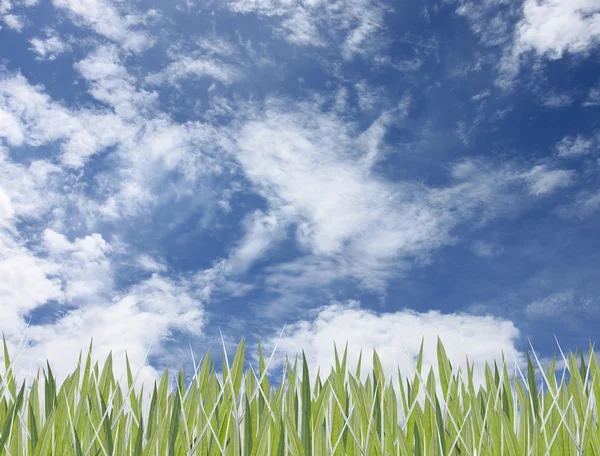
column 89, row 414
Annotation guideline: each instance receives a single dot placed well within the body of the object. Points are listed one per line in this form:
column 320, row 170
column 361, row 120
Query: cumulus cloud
column 78, row 272
column 144, row 315
column 84, row 266
column 14, row 22
column 554, row 27
column 482, row 339
column 29, row 192
column 550, row 29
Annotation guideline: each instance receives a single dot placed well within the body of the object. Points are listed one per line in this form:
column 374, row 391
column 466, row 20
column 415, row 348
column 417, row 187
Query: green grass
column 90, row 414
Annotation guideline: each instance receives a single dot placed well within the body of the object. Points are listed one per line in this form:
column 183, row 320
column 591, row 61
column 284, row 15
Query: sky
column 175, row 175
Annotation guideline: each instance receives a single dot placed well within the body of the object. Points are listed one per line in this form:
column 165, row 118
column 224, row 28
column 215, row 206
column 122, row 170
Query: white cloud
column 481, row 96
column 130, row 322
column 482, row 339
column 150, row 147
column 49, row 47
column 543, row 181
column 485, row 249
column 211, row 57
column 262, row 232
column 84, row 266
column 314, row 168
column 550, row 29
column 184, row 67
column 358, row 22
column 6, row 209
column 148, row 263
column 554, row 27
column 593, row 98
column 574, row 146
column 490, row 20
column 104, row 18
column 300, row 29
column 10, row 128
column 30, row 117
column 79, row 269
column 556, row 101
column 80, row 273
column 26, row 281
column 586, row 203
column 370, row 99
column 30, row 192
column 110, row 83
column 14, row 22
column 553, row 305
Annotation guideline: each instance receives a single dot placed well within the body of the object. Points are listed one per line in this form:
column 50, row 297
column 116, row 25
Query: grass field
column 90, row 414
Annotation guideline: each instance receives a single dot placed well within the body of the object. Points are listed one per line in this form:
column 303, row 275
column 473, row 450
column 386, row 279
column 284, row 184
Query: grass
column 90, row 414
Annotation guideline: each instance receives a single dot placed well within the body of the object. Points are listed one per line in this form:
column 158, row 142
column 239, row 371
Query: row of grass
column 90, row 414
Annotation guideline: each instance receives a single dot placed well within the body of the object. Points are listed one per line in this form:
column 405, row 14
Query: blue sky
column 174, row 170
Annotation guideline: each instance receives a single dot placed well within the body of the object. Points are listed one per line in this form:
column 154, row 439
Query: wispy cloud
column 50, row 47
column 544, row 181
column 148, row 263
column 574, row 146
column 593, row 97
column 110, row 83
column 490, row 20
column 106, row 19
column 28, row 116
column 485, row 249
column 359, row 23
column 561, row 303
column 555, row 100
column 185, row 67
column 586, row 203
column 350, row 222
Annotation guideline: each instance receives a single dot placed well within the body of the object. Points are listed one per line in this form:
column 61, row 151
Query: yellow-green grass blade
column 306, row 409
column 9, row 379
column 262, row 439
column 174, row 423
column 294, row 442
column 45, row 437
column 445, row 368
column 532, row 387
column 11, row 419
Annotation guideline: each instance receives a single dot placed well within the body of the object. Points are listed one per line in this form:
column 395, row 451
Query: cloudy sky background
column 360, row 171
